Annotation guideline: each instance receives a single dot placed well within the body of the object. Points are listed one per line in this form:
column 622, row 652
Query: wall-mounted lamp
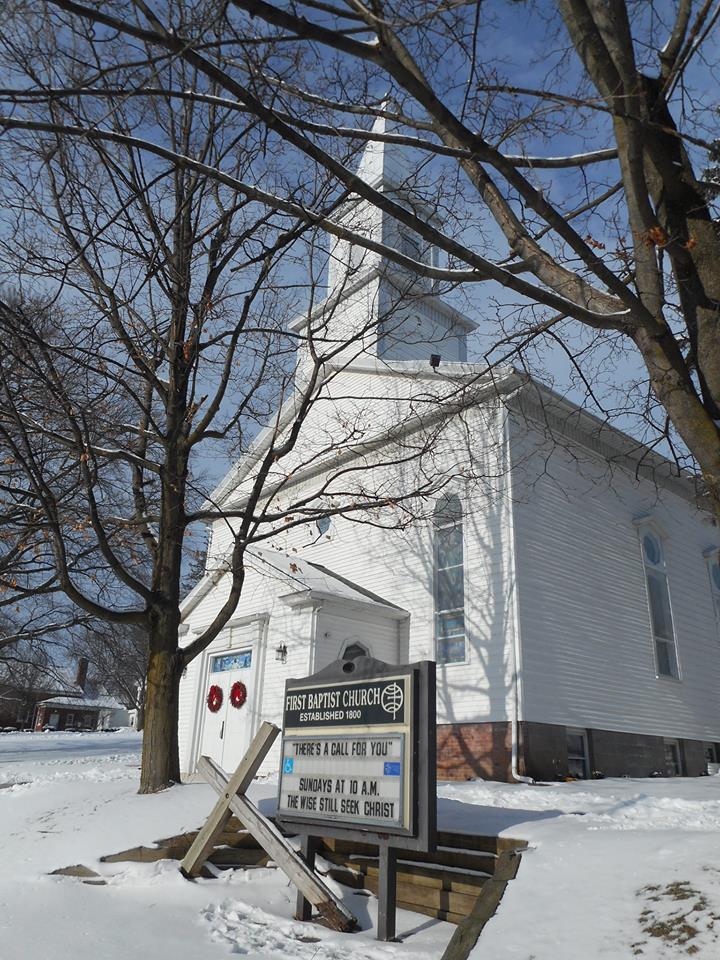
column 281, row 653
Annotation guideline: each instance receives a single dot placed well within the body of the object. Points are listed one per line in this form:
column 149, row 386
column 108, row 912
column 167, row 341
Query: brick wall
column 468, row 750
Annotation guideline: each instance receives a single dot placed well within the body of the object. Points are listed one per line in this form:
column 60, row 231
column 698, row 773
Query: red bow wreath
column 238, row 694
column 214, row 698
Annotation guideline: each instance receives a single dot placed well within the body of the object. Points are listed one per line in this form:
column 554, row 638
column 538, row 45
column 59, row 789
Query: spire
column 384, row 165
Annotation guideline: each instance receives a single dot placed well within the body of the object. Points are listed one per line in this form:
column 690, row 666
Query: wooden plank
column 350, row 846
column 333, row 911
column 447, row 915
column 348, row 878
column 232, row 857
column 412, row 895
column 139, row 855
column 357, row 881
column 480, row 862
column 80, row 870
column 458, row 881
column 217, row 822
column 469, row 929
column 228, row 838
column 471, row 841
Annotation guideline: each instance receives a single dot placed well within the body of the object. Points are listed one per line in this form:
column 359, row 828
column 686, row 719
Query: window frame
column 579, row 732
column 673, row 743
column 650, row 527
column 246, row 653
column 437, row 524
column 712, row 559
column 323, row 525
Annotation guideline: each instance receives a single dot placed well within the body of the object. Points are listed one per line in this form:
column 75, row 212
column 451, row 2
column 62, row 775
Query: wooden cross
column 232, row 800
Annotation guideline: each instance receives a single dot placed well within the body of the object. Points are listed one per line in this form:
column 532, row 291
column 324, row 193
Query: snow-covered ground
column 615, row 869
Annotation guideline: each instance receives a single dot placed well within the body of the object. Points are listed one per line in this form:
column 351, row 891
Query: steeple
column 384, row 165
column 381, row 308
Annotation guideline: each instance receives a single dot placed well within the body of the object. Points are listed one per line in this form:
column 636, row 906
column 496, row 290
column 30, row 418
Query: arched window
column 449, row 581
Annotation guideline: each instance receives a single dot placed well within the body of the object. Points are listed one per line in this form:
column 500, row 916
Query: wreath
column 214, row 698
column 238, row 694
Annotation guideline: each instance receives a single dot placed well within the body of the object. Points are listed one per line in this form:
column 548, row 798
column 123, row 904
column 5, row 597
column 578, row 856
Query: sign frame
column 419, row 730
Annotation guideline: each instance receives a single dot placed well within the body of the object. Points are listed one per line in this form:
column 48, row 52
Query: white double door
column 227, row 732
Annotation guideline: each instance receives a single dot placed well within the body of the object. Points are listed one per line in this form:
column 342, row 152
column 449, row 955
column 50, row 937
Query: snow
column 608, row 861
column 615, row 869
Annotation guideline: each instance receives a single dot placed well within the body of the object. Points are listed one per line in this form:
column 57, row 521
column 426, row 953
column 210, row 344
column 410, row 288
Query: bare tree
column 152, row 331
column 608, row 248
column 118, row 660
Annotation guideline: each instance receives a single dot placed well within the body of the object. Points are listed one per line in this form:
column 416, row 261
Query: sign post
column 358, row 762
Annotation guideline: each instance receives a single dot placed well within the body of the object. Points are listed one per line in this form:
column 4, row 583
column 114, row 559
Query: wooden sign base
column 231, row 800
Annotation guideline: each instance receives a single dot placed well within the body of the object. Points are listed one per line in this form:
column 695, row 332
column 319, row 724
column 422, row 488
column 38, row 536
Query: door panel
column 227, row 733
column 214, row 723
column 238, row 726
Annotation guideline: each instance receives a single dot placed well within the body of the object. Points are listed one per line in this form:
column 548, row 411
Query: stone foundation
column 469, row 750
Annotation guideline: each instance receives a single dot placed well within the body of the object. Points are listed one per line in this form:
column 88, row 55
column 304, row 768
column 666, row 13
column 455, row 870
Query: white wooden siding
column 397, row 566
column 587, row 648
column 271, row 622
column 337, row 627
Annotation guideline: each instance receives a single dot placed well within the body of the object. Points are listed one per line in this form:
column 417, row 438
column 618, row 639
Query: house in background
column 24, row 682
column 83, row 705
column 566, row 583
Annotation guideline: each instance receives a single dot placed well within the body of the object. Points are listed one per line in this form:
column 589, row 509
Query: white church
column 562, row 576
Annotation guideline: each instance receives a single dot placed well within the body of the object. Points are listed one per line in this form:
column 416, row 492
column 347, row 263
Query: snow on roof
column 82, row 703
column 314, row 578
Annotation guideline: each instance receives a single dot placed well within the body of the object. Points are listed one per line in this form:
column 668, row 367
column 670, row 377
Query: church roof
column 314, row 579
column 306, row 579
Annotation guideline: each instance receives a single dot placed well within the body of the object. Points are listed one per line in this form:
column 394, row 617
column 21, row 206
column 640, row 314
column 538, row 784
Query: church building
column 561, row 575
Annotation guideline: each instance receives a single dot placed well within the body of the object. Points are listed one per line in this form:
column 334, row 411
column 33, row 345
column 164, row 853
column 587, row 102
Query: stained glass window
column 231, row 661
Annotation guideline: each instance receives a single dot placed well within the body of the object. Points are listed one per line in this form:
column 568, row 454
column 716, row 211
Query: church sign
column 357, row 738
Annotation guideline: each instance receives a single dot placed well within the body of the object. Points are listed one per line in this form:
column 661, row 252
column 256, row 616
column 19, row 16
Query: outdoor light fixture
column 435, row 360
column 281, row 653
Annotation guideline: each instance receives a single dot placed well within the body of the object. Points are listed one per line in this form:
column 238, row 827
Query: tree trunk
column 160, row 757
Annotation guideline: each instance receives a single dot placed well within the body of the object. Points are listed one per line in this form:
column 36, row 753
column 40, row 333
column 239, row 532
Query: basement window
column 578, row 756
column 673, row 763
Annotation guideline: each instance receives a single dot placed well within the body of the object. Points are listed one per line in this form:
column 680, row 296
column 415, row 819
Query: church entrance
column 227, row 724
